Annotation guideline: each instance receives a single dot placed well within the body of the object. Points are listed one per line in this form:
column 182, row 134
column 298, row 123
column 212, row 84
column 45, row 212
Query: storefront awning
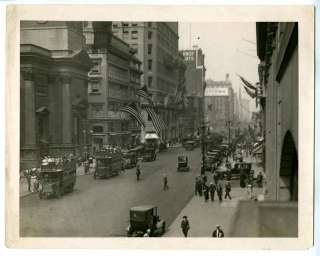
column 151, row 136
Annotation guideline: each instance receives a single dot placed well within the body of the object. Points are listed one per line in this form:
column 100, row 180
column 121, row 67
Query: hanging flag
column 249, row 92
column 155, row 119
column 130, row 109
column 143, row 93
column 248, row 84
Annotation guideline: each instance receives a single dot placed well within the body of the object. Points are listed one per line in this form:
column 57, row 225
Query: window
column 149, row 81
column 125, row 34
column 134, row 24
column 149, row 24
column 134, row 34
column 115, row 25
column 149, row 64
column 97, row 128
column 149, row 34
column 111, row 127
column 96, row 66
column 149, row 48
column 94, row 87
column 97, row 109
column 125, row 24
column 124, row 126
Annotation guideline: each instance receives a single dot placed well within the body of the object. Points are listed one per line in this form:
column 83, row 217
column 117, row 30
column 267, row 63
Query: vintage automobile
column 183, row 164
column 242, row 171
column 189, row 145
column 129, row 159
column 56, row 177
column 149, row 153
column 108, row 164
column 145, row 217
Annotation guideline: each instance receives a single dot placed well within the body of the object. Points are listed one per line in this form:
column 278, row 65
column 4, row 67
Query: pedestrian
column 165, row 182
column 218, row 233
column 219, row 191
column 138, row 172
column 227, row 190
column 216, row 177
column 27, row 175
column 250, row 191
column 259, row 179
column 147, row 234
column 212, row 190
column 199, row 186
column 206, row 193
column 185, row 226
column 196, row 186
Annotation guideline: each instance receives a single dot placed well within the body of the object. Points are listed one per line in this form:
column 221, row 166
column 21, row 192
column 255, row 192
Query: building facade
column 219, row 104
column 156, row 45
column 194, row 89
column 113, row 82
column 53, row 90
column 277, row 49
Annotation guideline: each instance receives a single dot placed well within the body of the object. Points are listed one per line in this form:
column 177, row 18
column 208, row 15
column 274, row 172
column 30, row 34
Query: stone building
column 156, row 44
column 219, row 104
column 194, row 84
column 113, row 82
column 53, row 90
column 277, row 49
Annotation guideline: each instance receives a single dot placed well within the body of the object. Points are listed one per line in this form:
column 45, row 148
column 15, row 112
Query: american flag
column 130, row 109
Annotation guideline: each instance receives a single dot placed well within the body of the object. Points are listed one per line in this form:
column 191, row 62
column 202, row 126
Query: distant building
column 219, row 104
column 194, row 86
column 53, row 90
column 113, row 82
column 156, row 45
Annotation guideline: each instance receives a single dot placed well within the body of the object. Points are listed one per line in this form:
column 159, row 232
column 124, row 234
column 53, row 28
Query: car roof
column 142, row 208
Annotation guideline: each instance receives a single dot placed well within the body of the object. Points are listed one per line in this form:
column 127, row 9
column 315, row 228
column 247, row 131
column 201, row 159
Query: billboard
column 217, row 91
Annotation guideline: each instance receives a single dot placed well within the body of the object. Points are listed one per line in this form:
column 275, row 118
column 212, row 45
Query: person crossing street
column 165, row 182
column 212, row 190
column 138, row 172
column 218, row 233
column 185, row 226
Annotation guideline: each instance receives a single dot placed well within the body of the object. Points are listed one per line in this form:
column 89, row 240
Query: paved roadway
column 100, row 208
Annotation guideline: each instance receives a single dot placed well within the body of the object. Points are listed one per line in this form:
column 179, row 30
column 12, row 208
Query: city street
column 101, row 207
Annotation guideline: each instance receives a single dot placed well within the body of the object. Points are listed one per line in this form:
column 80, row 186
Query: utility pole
column 229, row 137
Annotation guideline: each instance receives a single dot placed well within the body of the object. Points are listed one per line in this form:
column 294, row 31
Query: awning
column 257, row 150
column 151, row 136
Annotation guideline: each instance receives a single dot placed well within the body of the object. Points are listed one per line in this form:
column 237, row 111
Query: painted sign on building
column 216, row 91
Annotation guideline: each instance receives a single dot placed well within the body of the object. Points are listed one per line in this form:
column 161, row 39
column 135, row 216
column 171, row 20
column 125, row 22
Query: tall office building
column 219, row 104
column 156, row 45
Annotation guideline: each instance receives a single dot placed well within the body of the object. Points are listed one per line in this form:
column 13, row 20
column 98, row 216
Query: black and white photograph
column 142, row 128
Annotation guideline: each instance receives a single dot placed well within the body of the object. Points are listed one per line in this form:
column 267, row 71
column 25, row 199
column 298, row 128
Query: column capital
column 28, row 75
column 65, row 78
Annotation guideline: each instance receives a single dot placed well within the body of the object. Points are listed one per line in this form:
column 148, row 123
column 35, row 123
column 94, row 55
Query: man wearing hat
column 218, row 233
column 185, row 226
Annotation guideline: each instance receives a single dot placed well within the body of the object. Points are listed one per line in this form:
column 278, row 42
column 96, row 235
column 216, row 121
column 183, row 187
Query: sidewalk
column 204, row 217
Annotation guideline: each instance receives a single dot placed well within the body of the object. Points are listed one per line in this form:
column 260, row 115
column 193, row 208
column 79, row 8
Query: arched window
column 289, row 169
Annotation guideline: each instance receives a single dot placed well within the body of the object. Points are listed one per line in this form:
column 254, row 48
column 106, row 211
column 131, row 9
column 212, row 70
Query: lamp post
column 229, row 135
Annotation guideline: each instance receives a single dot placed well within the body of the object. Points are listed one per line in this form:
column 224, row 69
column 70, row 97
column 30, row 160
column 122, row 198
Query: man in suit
column 218, row 233
column 185, row 226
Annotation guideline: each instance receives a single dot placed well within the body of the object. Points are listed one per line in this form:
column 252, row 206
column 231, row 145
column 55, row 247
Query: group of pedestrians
column 185, row 227
column 209, row 191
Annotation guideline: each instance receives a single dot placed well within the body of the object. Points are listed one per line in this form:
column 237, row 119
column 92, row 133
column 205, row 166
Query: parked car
column 183, row 165
column 143, row 218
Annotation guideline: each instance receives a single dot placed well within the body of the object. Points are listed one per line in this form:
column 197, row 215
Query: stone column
column 29, row 149
column 29, row 109
column 66, row 109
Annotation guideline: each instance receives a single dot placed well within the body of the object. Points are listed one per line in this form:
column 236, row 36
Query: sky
column 228, row 48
